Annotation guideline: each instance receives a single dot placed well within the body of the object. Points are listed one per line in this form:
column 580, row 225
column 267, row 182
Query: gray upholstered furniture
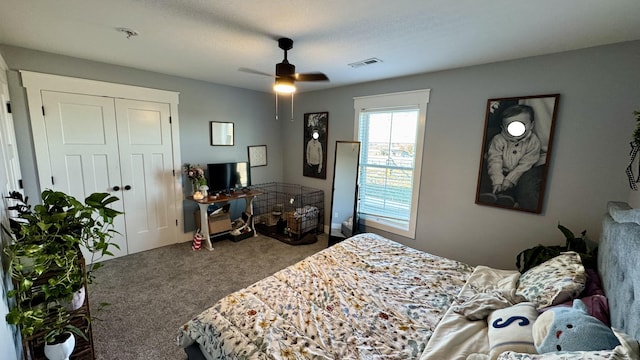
column 619, row 266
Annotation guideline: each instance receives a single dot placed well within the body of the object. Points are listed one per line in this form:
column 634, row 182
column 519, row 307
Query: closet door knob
column 116, row 188
column 127, row 187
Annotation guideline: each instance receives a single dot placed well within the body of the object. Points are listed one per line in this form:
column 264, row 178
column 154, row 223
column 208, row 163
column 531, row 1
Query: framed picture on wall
column 257, row 155
column 516, row 148
column 316, row 132
column 221, row 133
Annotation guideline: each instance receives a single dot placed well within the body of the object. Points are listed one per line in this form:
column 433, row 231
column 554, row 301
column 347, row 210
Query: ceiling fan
column 286, row 75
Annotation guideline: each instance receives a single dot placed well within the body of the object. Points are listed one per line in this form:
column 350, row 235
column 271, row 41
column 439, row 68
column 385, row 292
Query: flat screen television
column 227, row 176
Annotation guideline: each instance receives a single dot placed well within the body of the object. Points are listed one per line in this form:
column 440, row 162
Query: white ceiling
column 210, row 40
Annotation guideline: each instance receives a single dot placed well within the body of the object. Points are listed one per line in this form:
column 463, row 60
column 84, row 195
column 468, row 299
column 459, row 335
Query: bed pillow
column 556, row 280
column 510, row 329
column 627, row 350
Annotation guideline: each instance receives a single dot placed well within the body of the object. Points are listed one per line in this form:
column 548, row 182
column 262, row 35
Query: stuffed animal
column 571, row 329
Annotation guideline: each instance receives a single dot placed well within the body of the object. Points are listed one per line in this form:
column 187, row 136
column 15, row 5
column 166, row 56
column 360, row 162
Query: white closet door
column 146, row 160
column 83, row 149
column 11, row 163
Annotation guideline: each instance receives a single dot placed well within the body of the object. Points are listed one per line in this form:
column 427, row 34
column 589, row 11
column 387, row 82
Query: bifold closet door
column 102, row 144
column 146, row 164
column 83, row 149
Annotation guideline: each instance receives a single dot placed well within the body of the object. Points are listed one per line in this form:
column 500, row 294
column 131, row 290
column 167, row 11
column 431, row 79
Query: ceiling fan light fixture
column 284, row 86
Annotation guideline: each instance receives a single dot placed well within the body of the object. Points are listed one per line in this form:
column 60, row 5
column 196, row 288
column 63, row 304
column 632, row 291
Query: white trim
column 9, row 334
column 34, row 83
column 97, row 88
column 3, row 70
column 419, row 98
column 403, row 98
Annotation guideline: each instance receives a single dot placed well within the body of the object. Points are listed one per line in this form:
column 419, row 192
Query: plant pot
column 76, row 302
column 27, row 262
column 60, row 351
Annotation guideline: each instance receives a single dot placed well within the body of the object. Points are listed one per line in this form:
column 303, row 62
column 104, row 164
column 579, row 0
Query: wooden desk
column 204, row 203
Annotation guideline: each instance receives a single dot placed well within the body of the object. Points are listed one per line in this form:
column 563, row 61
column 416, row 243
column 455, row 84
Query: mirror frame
column 221, row 133
column 333, row 238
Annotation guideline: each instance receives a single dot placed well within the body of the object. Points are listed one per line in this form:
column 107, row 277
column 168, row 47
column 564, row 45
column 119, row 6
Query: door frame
column 9, row 334
column 34, row 83
column 8, row 140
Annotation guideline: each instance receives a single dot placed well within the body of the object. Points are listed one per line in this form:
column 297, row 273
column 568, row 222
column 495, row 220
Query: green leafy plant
column 63, row 223
column 55, row 320
column 45, row 256
column 536, row 255
column 60, row 326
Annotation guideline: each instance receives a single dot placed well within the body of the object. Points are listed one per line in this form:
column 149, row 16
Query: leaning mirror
column 221, row 133
column 344, row 199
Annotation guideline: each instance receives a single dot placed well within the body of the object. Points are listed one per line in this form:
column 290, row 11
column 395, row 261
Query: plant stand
column 33, row 346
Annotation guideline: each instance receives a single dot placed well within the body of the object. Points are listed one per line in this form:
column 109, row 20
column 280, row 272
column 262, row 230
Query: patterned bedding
column 366, row 297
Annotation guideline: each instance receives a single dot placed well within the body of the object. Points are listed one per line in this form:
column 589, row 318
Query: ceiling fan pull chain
column 291, row 107
column 276, row 106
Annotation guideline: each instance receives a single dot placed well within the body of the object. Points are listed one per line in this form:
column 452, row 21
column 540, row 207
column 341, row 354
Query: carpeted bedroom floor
column 151, row 294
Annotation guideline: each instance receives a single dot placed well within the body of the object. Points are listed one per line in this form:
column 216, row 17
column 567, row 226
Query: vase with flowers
column 195, row 173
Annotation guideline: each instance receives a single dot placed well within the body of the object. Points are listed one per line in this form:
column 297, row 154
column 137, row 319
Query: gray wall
column 200, row 102
column 599, row 88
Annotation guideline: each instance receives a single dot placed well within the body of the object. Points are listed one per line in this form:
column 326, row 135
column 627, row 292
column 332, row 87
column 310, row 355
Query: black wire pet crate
column 291, row 213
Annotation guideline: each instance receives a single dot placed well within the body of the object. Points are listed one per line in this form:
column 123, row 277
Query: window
column 391, row 130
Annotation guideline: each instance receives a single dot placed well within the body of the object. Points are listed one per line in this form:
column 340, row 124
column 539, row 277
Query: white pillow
column 510, row 329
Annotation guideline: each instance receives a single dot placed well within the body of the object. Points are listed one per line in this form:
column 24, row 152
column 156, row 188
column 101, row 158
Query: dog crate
column 288, row 212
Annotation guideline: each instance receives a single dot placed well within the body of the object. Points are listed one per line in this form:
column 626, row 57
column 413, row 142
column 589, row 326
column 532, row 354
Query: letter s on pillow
column 510, row 329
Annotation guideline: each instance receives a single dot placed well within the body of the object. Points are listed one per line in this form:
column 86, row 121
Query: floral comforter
column 366, row 297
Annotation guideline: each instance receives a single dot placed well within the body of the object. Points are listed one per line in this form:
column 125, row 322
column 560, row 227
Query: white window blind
column 391, row 131
column 386, row 166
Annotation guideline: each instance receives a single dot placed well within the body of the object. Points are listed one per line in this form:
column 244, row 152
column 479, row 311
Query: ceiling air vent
column 365, row 62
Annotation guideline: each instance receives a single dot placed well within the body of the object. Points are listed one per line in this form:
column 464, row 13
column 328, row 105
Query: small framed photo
column 516, row 150
column 221, row 133
column 257, row 155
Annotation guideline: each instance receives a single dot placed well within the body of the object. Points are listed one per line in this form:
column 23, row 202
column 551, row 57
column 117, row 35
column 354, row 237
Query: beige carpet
column 153, row 293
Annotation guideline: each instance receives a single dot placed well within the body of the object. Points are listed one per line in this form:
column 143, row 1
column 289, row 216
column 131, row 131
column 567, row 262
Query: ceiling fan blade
column 317, row 76
column 256, row 72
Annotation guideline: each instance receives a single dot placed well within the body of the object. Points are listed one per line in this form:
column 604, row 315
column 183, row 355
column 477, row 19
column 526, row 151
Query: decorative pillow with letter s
column 511, row 329
column 571, row 329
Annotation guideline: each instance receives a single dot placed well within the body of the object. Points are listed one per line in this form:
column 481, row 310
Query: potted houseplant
column 59, row 336
column 46, row 262
column 538, row 254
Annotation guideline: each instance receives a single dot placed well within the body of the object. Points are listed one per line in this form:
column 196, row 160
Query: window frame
column 391, row 101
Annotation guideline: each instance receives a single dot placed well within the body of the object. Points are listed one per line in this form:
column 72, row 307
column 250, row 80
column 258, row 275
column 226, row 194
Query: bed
column 371, row 298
